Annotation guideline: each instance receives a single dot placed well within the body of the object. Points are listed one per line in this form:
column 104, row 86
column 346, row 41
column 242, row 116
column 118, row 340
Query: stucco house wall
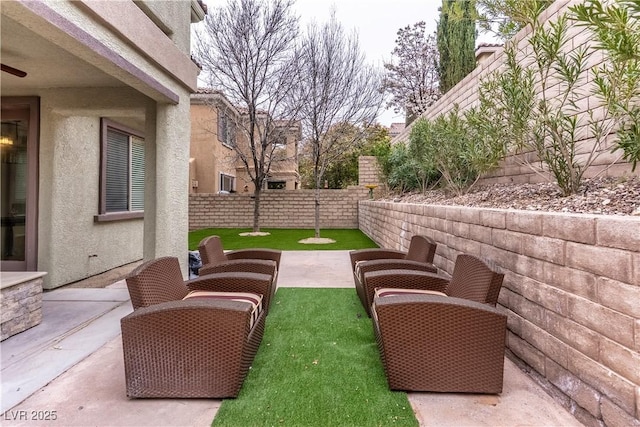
column 71, row 244
column 127, row 61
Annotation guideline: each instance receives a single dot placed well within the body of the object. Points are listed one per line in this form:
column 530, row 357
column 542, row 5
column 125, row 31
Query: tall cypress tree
column 456, row 39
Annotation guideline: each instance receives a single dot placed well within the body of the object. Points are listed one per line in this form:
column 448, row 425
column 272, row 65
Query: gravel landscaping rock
column 605, row 196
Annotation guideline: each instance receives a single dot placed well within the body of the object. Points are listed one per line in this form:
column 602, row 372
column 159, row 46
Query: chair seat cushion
column 389, row 292
column 386, row 292
column 254, row 299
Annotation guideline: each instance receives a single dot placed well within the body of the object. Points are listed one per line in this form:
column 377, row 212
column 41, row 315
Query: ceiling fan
column 14, row 71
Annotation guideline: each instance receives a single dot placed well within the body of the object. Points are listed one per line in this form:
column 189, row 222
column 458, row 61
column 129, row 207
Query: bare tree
column 336, row 87
column 413, row 81
column 246, row 49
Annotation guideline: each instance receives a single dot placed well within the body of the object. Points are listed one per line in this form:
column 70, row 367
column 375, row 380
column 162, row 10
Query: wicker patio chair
column 198, row 347
column 256, row 260
column 440, row 344
column 211, row 251
column 160, row 280
column 421, row 249
column 472, row 279
column 419, row 257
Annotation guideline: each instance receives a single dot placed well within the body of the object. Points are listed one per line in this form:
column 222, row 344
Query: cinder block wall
column 368, row 170
column 278, row 209
column 571, row 292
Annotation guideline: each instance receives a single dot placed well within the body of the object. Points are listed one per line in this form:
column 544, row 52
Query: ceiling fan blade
column 13, row 71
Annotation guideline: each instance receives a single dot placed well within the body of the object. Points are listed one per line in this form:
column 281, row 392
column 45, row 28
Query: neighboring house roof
column 212, row 96
column 396, row 129
column 487, row 49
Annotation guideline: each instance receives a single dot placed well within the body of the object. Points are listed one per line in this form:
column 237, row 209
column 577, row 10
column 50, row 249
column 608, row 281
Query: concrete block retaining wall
column 278, row 209
column 571, row 292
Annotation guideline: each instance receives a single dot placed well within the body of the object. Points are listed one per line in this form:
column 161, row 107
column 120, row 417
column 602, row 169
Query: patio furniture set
column 198, row 338
column 434, row 333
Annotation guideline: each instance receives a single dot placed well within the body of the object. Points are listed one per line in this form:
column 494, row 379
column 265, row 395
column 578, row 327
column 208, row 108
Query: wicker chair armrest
column 241, row 266
column 395, row 264
column 256, row 283
column 177, row 317
column 255, row 253
column 405, row 279
column 374, row 253
column 447, row 303
column 436, row 343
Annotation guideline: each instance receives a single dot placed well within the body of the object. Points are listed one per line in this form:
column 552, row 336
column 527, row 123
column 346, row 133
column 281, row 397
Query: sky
column 376, row 22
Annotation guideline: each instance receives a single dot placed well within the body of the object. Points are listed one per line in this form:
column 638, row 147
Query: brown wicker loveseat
column 189, row 348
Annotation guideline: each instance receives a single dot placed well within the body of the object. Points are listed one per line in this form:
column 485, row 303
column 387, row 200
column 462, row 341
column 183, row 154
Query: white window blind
column 124, row 173
column 137, row 174
column 117, row 174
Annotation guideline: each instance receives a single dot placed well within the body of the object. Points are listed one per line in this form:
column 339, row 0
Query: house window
column 122, row 172
column 226, row 128
column 227, row 182
column 277, row 185
column 280, row 141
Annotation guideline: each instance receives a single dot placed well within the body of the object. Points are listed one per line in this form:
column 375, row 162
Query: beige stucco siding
column 211, row 156
column 71, row 246
column 167, row 179
column 202, row 148
column 127, row 61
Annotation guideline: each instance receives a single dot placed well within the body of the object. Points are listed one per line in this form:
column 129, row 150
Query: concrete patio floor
column 70, row 367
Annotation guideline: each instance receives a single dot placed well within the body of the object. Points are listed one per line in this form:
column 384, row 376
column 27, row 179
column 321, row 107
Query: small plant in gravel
column 456, row 146
column 616, row 28
column 535, row 108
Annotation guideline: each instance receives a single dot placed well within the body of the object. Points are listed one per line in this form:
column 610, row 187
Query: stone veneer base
column 20, row 302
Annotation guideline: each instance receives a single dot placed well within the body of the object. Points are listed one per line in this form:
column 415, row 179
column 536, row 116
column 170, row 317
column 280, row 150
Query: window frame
column 221, row 180
column 103, row 215
column 226, row 128
column 277, row 184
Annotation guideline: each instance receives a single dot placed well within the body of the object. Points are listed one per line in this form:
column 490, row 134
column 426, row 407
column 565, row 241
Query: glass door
column 18, row 185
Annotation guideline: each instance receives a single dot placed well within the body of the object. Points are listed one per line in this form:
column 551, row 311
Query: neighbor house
column 216, row 136
column 95, row 134
column 212, row 166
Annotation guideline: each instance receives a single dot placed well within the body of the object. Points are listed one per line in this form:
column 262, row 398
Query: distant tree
column 343, row 171
column 412, row 80
column 336, row 86
column 504, row 18
column 246, row 49
column 456, row 39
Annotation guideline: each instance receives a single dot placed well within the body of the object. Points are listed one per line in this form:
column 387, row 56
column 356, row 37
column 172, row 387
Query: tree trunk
column 317, row 211
column 256, row 209
column 316, row 195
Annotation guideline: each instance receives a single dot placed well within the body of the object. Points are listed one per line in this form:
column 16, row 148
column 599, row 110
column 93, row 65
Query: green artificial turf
column 284, row 239
column 318, row 365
